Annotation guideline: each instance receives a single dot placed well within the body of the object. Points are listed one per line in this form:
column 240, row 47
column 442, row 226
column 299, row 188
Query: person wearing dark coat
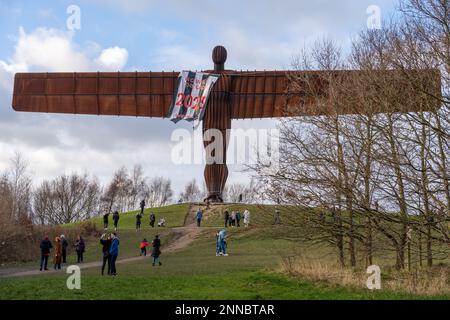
column 238, row 219
column 64, row 245
column 227, row 217
column 138, row 221
column 106, row 220
column 116, row 219
column 45, row 246
column 105, row 241
column 152, row 219
column 142, row 204
column 156, row 252
column 199, row 217
column 79, row 248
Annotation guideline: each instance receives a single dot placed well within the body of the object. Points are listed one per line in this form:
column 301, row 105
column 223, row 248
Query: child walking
column 143, row 247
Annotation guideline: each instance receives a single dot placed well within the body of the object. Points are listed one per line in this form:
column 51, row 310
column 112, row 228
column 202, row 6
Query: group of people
column 110, row 241
column 234, row 219
column 60, row 251
column 110, row 252
column 152, row 220
column 156, row 252
column 139, row 215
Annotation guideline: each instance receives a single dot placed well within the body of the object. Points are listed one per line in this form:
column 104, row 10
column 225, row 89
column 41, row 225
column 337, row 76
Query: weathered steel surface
column 258, row 94
column 144, row 94
column 217, row 116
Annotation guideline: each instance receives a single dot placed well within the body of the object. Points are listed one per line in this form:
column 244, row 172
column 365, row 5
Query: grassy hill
column 252, row 271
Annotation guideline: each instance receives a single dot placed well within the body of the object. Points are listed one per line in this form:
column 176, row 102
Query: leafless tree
column 191, row 192
column 376, row 173
column 66, row 199
column 158, row 192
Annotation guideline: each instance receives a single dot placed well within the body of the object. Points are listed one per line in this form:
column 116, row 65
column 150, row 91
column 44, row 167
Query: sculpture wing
column 143, row 94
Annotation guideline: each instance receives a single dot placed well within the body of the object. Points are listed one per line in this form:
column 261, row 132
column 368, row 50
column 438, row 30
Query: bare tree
column 20, row 183
column 191, row 192
column 137, row 188
column 118, row 191
column 246, row 193
column 66, row 199
column 159, row 192
column 376, row 174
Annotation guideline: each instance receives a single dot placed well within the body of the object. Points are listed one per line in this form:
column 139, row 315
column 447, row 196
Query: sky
column 138, row 35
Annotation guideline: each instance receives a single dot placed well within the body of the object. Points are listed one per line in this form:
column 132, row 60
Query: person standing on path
column 79, row 248
column 156, row 252
column 226, row 217
column 105, row 241
column 199, row 217
column 105, row 221
column 57, row 254
column 45, row 246
column 246, row 218
column 152, row 220
column 64, row 245
column 114, row 252
column 142, row 204
column 116, row 219
column 138, row 221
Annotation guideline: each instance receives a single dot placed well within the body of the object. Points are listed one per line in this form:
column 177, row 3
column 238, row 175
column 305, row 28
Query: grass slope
column 195, row 272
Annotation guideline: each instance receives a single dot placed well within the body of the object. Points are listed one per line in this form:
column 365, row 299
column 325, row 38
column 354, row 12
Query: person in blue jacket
column 221, row 243
column 114, row 252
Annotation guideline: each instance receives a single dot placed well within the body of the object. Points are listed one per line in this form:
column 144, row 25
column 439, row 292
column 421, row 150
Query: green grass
column 174, row 215
column 229, row 285
column 195, row 273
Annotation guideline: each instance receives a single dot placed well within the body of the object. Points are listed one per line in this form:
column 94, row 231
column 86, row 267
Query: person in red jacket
column 143, row 246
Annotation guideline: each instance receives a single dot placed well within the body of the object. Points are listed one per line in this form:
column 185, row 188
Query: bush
column 19, row 241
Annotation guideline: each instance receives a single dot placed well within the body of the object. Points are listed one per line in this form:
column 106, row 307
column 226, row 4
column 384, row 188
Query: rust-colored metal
column 236, row 95
column 142, row 94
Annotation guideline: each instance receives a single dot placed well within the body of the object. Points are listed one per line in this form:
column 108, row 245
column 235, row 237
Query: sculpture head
column 219, row 56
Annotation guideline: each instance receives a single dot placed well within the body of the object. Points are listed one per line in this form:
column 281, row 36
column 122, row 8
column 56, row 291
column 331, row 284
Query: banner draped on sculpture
column 191, row 95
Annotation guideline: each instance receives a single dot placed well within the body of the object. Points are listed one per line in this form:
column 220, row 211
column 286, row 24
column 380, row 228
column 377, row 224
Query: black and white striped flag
column 191, row 95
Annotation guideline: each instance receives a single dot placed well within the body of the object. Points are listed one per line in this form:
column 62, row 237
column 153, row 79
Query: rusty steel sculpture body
column 236, row 95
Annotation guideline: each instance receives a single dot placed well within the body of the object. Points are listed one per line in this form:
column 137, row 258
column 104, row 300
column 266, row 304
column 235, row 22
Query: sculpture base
column 215, row 198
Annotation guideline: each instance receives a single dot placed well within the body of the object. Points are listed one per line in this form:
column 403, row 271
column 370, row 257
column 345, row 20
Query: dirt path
column 183, row 237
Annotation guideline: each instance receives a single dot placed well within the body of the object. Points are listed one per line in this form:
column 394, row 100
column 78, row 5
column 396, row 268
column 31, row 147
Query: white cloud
column 49, row 49
column 113, row 58
column 53, row 50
